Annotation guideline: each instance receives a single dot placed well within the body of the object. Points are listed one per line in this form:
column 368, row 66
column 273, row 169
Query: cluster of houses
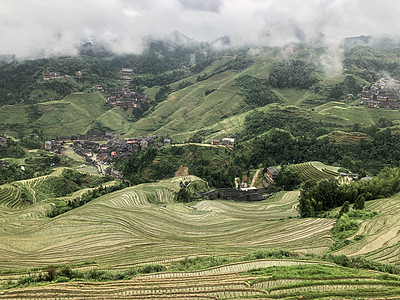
column 385, row 93
column 107, row 153
column 126, row 74
column 124, row 98
column 348, row 177
column 228, row 142
column 104, row 148
column 3, row 142
column 185, row 69
column 55, row 146
column 54, row 75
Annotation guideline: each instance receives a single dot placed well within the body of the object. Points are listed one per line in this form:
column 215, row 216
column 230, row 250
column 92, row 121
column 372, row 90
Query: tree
column 183, row 195
column 163, row 93
column 345, row 209
column 51, row 273
column 288, row 178
column 359, row 203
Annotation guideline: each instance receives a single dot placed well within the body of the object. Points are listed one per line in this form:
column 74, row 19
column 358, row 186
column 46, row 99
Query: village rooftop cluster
column 385, row 93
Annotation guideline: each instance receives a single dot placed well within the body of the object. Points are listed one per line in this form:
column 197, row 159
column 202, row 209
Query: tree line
column 318, row 197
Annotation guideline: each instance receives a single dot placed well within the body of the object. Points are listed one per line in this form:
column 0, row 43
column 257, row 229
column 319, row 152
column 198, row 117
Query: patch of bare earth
column 182, row 171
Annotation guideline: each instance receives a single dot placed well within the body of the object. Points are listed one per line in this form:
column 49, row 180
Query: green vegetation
column 216, row 277
column 213, row 164
column 306, row 124
column 327, row 194
column 257, row 91
column 68, row 182
column 295, row 73
column 61, row 206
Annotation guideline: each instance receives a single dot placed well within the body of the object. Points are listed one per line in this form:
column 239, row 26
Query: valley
column 120, row 188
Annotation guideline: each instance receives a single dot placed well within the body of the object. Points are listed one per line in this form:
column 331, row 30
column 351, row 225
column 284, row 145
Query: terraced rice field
column 9, row 196
column 143, row 224
column 382, row 233
column 314, row 171
column 225, row 282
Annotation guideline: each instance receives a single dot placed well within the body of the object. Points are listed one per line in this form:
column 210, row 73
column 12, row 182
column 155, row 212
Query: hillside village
column 385, row 93
column 125, row 98
column 102, row 149
column 122, row 98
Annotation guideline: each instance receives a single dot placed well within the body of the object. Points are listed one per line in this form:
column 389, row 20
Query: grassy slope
column 189, row 110
column 72, row 115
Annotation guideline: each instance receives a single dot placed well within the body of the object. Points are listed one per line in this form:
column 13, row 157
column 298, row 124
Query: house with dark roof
column 237, row 195
column 272, row 173
column 215, row 142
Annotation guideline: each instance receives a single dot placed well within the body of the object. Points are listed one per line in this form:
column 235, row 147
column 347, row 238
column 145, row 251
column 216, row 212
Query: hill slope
column 142, row 223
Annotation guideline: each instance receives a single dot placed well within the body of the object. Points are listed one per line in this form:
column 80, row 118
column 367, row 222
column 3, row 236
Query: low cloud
column 43, row 28
column 202, row 5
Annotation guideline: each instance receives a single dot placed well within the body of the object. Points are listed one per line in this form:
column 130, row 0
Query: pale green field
column 72, row 115
column 190, row 110
column 13, row 114
column 346, row 114
column 114, row 119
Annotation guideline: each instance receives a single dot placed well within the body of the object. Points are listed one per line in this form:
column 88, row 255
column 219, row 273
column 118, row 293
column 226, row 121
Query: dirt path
column 255, row 177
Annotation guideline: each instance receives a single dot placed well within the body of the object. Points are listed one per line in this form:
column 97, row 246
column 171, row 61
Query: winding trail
column 255, row 177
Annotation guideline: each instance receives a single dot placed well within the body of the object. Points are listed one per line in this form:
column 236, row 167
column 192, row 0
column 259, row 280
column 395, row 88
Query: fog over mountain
column 43, row 28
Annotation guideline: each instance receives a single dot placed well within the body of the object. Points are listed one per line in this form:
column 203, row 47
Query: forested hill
column 195, row 92
column 21, row 82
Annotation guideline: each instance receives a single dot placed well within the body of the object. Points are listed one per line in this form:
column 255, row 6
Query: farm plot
column 281, row 279
column 9, row 196
column 142, row 223
column 191, row 287
column 381, row 233
column 20, row 194
column 308, row 171
column 282, row 205
column 235, row 268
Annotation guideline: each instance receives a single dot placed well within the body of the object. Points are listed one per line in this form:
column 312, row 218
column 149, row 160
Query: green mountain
column 317, row 234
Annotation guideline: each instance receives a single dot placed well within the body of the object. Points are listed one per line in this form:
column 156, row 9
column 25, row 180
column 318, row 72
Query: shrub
column 152, row 269
column 62, row 279
column 51, row 273
column 65, row 271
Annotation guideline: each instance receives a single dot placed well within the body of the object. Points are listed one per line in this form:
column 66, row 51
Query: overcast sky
column 34, row 28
